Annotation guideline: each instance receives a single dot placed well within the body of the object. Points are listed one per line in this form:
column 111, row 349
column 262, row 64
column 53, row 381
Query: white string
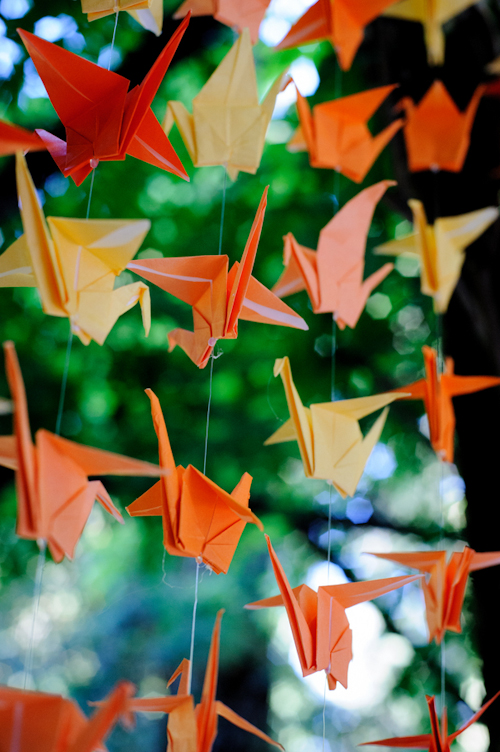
column 113, row 42
column 28, row 663
column 193, row 625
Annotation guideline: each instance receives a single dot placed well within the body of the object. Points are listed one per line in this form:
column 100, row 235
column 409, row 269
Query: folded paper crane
column 238, row 14
column 340, row 21
column 54, row 494
column 331, row 444
column 437, row 390
column 440, row 248
column 336, row 134
column 149, row 13
column 333, row 275
column 199, row 518
column 228, row 125
column 444, row 588
column 318, row 621
column 103, row 120
column 13, row 138
column 438, row 740
column 74, row 263
column 219, row 297
column 437, row 133
column 51, row 723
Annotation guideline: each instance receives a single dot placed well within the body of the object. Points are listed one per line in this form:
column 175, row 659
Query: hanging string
column 113, row 42
column 28, row 663
column 193, row 625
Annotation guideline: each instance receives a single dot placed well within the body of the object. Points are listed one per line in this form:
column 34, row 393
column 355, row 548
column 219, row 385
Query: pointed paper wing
column 315, row 24
column 151, row 144
column 237, row 720
column 104, row 719
column 352, row 593
column 264, row 307
column 13, row 138
column 15, row 265
column 206, row 714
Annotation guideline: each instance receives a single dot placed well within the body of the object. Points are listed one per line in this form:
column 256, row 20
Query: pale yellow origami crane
column 74, row 264
column 440, row 248
column 331, row 444
column 228, row 125
column 149, row 13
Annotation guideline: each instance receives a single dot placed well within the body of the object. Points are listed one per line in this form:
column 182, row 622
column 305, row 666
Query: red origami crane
column 437, row 390
column 238, row 14
column 103, row 120
column 13, row 138
column 444, row 588
column 336, row 134
column 438, row 740
column 220, row 297
column 54, row 494
column 333, row 275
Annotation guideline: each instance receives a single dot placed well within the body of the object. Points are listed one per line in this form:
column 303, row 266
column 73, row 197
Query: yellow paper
column 149, row 13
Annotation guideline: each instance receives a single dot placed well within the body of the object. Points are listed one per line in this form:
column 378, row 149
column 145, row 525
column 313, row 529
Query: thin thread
column 28, row 663
column 208, row 413
column 90, row 192
column 113, row 42
column 193, row 626
column 223, row 209
column 64, row 382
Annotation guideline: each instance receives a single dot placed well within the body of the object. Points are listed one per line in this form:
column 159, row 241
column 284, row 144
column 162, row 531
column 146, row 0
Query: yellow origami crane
column 440, row 248
column 330, row 441
column 228, row 125
column 149, row 13
column 74, row 264
column 432, row 14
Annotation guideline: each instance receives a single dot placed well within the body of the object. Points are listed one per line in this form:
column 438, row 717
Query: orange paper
column 199, row 518
column 13, row 138
column 333, row 275
column 219, row 297
column 238, row 14
column 318, row 620
column 54, row 494
column 103, row 120
column 437, row 390
column 336, row 134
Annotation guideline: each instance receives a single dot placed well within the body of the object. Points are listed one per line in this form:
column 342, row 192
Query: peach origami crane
column 103, row 120
column 432, row 14
column 438, row 740
column 440, row 248
column 437, row 133
column 13, row 138
column 74, row 264
column 444, row 589
column 238, row 14
column 342, row 22
column 318, row 620
column 199, row 518
column 149, row 13
column 333, row 275
column 54, row 494
column 330, row 441
column 228, row 125
column 336, row 134
column 437, row 391
column 219, row 297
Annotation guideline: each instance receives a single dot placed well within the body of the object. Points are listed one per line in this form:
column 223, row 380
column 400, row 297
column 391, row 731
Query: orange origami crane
column 333, row 276
column 51, row 723
column 444, row 589
column 437, row 390
column 149, row 13
column 54, row 494
column 103, row 120
column 13, row 138
column 75, row 264
column 437, row 134
column 340, row 21
column 238, row 14
column 438, row 740
column 336, row 134
column 318, row 620
column 199, row 518
column 219, row 297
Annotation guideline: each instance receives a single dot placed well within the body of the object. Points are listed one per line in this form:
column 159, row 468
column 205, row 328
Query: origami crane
column 238, row 14
column 228, row 125
column 103, row 120
column 149, row 13
column 330, row 441
column 219, row 297
column 13, row 138
column 440, row 248
column 340, row 21
column 199, row 518
column 54, row 494
column 444, row 589
column 432, row 14
column 336, row 133
column 437, row 133
column 74, row 264
column 318, row 621
column 438, row 740
column 437, row 390
column 333, row 276
column 51, row 723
